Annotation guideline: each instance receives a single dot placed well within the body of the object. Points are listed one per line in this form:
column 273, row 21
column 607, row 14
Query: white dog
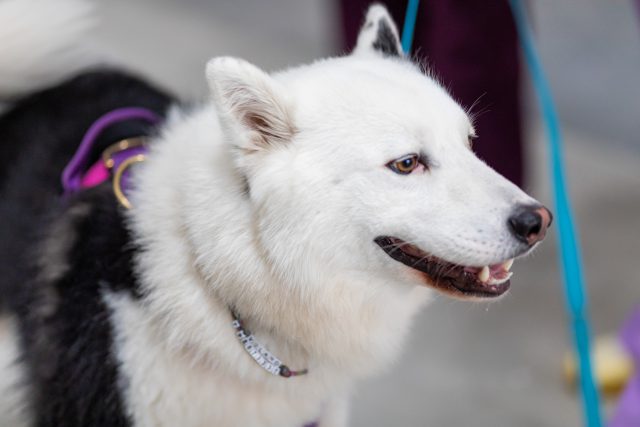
column 318, row 208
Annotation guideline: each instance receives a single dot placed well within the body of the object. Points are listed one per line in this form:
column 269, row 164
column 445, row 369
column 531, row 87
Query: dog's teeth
column 494, row 281
column 507, row 264
column 484, row 274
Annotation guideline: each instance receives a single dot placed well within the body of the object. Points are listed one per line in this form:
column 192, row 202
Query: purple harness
column 78, row 176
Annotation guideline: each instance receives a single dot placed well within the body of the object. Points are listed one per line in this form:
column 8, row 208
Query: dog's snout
column 529, row 223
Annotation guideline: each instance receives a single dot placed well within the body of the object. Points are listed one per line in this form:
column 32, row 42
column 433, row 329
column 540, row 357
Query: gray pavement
column 591, row 50
column 482, row 365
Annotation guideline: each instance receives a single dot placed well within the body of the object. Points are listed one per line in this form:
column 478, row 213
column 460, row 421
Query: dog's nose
column 529, row 223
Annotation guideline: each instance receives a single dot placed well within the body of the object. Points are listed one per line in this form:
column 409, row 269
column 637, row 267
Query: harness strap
column 76, row 175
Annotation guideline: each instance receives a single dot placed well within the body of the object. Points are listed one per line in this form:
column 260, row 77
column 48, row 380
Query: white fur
column 40, row 42
column 295, row 256
column 267, row 200
column 201, row 261
column 176, row 386
column 12, row 378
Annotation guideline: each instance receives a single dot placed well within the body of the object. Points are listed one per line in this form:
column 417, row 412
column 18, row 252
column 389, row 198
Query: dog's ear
column 252, row 100
column 378, row 34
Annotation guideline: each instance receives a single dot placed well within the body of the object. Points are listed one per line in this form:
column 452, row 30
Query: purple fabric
column 120, row 157
column 627, row 413
column 73, row 172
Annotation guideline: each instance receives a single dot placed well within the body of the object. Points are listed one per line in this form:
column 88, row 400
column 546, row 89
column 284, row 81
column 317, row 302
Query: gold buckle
column 125, row 144
column 117, row 178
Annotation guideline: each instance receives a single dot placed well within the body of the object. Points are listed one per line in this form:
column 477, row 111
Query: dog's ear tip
column 214, row 67
column 379, row 33
column 377, row 13
column 251, row 100
column 217, row 61
column 377, row 10
column 225, row 72
column 225, row 64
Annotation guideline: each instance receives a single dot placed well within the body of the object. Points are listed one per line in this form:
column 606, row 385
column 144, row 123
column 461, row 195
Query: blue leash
column 409, row 25
column 576, row 299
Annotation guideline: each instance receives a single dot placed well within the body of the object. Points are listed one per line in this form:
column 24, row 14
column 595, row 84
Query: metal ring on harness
column 117, row 178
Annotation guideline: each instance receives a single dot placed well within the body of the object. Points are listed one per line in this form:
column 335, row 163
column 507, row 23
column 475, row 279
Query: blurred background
column 465, row 364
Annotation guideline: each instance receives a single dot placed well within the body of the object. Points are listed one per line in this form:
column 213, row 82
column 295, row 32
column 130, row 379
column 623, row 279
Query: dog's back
column 39, row 133
column 44, row 236
column 39, row 46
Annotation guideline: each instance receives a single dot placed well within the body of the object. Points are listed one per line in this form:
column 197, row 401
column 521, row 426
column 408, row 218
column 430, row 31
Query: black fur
column 65, row 326
column 386, row 42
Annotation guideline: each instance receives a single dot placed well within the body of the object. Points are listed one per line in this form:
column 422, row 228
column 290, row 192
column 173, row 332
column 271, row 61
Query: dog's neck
column 200, row 257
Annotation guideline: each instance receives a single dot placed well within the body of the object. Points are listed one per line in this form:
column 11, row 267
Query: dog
column 278, row 242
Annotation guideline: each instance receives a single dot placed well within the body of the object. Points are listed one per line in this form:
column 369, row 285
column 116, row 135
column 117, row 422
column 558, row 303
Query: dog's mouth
column 457, row 280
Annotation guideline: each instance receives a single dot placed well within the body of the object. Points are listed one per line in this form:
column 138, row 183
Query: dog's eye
column 404, row 165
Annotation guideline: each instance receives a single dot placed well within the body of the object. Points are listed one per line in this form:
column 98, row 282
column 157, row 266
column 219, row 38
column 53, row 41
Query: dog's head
column 363, row 165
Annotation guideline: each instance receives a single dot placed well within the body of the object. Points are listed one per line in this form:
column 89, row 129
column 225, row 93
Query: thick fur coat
column 268, row 201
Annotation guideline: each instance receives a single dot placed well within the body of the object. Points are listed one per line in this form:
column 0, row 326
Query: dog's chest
column 164, row 389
